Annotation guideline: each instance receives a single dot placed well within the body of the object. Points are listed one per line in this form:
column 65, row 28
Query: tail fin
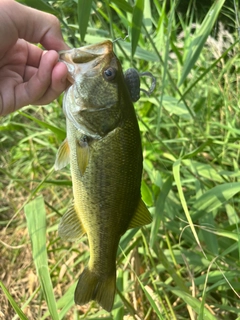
column 92, row 287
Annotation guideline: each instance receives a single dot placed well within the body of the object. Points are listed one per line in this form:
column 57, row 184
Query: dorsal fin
column 141, row 216
column 71, row 227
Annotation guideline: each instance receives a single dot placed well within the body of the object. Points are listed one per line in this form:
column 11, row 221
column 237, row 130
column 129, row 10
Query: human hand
column 29, row 75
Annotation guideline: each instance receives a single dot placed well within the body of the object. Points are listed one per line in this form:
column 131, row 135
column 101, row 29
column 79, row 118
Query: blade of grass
column 148, row 18
column 31, row 195
column 16, row 308
column 202, row 309
column 118, row 313
column 158, row 216
column 215, row 197
column 200, row 38
column 206, row 72
column 165, row 59
column 151, row 300
column 137, row 18
column 170, row 269
column 40, row 5
column 146, row 194
column 61, row 134
column 122, row 4
column 176, row 174
column 84, row 10
column 64, row 303
column 194, row 303
column 210, row 238
column 36, row 222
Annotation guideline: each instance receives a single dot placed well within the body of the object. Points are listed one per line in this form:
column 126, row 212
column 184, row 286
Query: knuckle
column 54, row 21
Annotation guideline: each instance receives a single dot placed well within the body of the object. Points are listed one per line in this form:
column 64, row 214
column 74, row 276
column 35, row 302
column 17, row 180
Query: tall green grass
column 186, row 264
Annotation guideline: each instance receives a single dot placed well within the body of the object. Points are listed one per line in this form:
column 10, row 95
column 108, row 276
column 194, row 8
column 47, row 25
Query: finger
column 30, row 24
column 58, row 84
column 34, row 55
column 35, row 89
column 15, row 94
column 41, row 28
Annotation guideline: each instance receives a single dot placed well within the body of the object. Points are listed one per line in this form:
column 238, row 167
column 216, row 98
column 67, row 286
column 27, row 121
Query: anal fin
column 71, row 227
column 141, row 216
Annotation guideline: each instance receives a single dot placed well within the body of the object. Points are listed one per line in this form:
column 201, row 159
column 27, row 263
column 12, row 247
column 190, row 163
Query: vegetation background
column 186, row 264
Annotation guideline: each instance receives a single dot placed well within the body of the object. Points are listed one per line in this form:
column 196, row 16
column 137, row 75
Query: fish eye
column 110, row 73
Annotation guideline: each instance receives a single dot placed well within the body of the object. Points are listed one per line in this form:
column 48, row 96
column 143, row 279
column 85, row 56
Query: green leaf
column 147, row 20
column 64, row 303
column 210, row 238
column 84, row 10
column 152, row 301
column 216, row 197
column 158, row 215
column 139, row 53
column 61, row 134
column 146, row 194
column 118, row 313
column 40, row 5
column 16, row 308
column 196, row 151
column 137, row 19
column 204, row 170
column 174, row 106
column 194, row 303
column 36, row 222
column 122, row 4
column 200, row 38
column 176, row 174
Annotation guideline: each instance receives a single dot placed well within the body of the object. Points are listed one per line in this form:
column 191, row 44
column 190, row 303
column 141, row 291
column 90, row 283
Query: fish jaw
column 86, row 53
column 79, row 60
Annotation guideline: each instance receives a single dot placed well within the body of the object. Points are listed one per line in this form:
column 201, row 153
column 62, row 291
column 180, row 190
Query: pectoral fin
column 141, row 217
column 83, row 153
column 70, row 227
column 63, row 156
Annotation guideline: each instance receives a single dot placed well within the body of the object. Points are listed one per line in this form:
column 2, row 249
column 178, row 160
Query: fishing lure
column 132, row 80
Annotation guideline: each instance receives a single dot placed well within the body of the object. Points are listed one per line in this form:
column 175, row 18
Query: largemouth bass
column 103, row 146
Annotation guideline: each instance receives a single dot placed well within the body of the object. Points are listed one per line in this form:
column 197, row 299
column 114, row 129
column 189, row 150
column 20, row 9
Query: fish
column 103, row 147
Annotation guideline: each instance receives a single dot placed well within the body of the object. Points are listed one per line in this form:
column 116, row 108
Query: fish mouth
column 86, row 53
column 84, row 58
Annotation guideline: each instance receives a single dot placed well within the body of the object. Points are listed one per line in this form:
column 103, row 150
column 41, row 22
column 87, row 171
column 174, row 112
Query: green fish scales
column 103, row 146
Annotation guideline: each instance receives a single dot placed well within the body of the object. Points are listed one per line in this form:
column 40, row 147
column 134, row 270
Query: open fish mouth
column 81, row 56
